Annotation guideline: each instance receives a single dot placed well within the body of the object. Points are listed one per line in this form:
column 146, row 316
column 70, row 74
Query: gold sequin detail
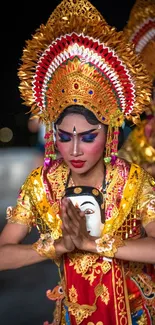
column 106, row 267
column 73, row 296
column 131, row 190
column 80, row 312
column 105, row 297
column 77, row 190
column 95, row 192
column 82, row 262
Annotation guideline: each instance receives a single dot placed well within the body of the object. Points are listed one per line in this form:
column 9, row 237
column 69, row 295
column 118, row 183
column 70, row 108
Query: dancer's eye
column 89, row 137
column 63, row 137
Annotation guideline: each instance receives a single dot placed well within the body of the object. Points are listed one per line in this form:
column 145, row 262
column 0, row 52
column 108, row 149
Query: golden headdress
column 77, row 58
column 140, row 30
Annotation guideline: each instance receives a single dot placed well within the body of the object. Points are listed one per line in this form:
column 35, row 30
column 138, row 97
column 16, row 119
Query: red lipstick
column 77, row 163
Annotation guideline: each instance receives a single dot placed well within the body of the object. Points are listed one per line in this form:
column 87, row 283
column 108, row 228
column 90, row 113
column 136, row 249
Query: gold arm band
column 45, row 246
column 107, row 245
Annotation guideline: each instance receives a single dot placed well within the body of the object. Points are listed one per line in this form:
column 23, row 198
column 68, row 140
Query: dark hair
column 78, row 109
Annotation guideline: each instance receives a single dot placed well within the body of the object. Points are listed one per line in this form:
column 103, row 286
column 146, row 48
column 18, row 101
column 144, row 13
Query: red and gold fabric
column 104, row 283
column 116, row 289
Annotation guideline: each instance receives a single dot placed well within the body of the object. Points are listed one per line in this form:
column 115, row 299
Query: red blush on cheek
column 96, row 149
column 63, row 148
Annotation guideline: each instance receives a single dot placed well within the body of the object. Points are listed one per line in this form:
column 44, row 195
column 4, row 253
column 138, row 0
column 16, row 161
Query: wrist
column 108, row 245
column 88, row 244
column 60, row 247
column 45, row 246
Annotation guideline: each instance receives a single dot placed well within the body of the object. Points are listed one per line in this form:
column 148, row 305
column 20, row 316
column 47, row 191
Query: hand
column 74, row 224
column 67, row 240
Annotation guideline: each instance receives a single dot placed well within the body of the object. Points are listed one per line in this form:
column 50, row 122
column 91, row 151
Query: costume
column 140, row 29
column 106, row 281
column 78, row 59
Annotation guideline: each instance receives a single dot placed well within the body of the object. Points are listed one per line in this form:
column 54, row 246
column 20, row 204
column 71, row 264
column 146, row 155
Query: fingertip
column 66, row 199
column 63, row 200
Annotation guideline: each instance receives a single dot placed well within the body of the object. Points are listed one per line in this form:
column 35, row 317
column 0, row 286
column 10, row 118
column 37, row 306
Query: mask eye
column 60, row 290
column 89, row 211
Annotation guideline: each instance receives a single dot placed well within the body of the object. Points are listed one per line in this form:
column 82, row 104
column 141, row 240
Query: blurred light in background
column 6, row 134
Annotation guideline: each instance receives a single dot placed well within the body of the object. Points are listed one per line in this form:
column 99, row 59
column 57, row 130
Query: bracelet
column 107, row 245
column 45, row 246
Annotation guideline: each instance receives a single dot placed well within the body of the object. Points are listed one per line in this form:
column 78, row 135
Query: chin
column 80, row 171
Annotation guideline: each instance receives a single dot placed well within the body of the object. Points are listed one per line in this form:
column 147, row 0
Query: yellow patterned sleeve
column 147, row 200
column 24, row 212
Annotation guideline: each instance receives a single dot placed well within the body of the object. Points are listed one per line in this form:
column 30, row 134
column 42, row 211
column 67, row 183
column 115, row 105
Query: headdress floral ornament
column 77, row 58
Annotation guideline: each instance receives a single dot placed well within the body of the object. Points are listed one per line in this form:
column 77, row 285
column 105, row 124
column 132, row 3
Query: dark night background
column 22, row 292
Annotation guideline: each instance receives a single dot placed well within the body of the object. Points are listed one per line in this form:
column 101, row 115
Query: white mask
column 92, row 210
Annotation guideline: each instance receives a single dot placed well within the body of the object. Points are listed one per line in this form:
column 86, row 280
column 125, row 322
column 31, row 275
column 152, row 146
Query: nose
column 76, row 150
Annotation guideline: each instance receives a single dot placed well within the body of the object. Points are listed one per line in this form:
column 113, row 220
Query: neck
column 94, row 177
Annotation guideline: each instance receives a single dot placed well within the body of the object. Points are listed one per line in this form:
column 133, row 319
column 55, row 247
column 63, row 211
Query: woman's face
column 80, row 143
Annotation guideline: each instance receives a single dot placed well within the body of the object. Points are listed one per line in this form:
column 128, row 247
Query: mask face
column 92, row 210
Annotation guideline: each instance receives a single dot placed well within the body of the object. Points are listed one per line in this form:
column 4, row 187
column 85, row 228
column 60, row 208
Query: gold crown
column 82, row 84
column 77, row 58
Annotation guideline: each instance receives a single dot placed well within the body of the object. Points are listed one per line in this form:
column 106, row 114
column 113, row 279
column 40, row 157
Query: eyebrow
column 81, row 133
column 86, row 202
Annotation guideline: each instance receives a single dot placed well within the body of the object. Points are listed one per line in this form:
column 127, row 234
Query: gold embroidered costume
column 78, row 59
column 88, row 267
